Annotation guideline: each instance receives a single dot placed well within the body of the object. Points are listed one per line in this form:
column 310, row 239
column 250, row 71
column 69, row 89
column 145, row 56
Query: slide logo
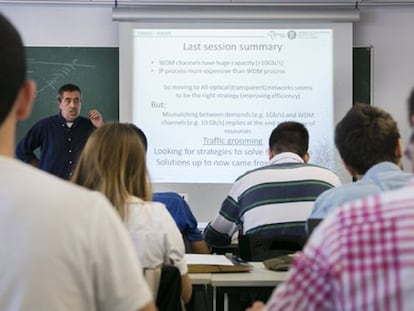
column 291, row 34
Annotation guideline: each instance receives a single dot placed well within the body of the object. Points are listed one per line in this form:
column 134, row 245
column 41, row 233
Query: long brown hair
column 113, row 162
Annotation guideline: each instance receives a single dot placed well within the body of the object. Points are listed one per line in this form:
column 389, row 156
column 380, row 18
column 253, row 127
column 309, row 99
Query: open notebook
column 215, row 263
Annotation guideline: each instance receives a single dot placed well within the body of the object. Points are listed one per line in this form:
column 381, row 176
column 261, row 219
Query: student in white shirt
column 61, row 247
column 113, row 162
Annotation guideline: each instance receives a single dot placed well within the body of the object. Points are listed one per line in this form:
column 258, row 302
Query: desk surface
column 259, row 276
column 200, row 278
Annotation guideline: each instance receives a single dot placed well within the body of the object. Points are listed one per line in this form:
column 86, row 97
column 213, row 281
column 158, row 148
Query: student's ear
column 353, row 172
column 24, row 100
column 306, row 157
column 270, row 153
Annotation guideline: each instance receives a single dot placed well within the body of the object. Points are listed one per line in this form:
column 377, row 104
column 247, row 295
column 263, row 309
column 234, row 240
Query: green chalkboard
column 362, row 75
column 93, row 69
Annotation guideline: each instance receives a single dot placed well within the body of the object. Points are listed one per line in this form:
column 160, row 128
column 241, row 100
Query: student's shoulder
column 319, row 167
column 42, row 182
column 344, row 193
column 49, row 193
column 160, row 196
column 325, row 173
column 254, row 171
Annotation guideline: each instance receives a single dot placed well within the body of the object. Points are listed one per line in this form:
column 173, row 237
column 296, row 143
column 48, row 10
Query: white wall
column 387, row 29
column 63, row 25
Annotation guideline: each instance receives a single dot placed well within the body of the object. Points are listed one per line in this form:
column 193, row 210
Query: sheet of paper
column 197, row 259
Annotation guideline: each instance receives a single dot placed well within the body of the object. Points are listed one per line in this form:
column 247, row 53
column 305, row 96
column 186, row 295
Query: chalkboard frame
column 362, row 75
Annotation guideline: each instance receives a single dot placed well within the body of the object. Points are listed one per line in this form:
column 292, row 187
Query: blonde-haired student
column 113, row 162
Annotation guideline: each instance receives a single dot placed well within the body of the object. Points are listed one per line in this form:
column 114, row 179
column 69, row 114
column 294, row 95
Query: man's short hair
column 366, row 136
column 67, row 88
column 12, row 66
column 289, row 137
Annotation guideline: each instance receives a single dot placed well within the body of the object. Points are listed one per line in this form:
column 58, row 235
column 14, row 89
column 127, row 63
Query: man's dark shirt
column 60, row 146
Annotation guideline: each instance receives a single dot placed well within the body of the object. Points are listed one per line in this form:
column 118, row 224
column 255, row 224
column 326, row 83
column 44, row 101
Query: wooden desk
column 203, row 297
column 217, row 286
column 200, row 278
column 259, row 276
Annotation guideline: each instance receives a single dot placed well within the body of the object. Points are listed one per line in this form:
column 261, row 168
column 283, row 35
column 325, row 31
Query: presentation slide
column 208, row 99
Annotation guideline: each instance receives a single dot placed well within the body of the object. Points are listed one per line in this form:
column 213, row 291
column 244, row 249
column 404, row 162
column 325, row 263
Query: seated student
column 369, row 143
column 113, row 162
column 179, row 210
column 277, row 198
column 185, row 220
column 62, row 247
column 359, row 258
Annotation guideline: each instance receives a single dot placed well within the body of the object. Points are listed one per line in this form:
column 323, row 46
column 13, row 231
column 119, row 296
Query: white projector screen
column 208, row 96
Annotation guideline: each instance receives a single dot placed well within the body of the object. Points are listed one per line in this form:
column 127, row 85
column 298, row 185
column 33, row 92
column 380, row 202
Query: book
column 279, row 263
column 198, row 263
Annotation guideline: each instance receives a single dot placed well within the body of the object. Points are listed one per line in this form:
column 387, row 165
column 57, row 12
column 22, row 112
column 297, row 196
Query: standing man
column 274, row 200
column 60, row 137
column 62, row 247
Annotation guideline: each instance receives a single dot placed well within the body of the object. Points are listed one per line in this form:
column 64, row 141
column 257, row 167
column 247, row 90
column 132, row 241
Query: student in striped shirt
column 276, row 198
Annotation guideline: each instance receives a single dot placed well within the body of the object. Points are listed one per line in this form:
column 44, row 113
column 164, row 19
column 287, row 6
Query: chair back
column 264, row 245
column 312, row 223
column 169, row 290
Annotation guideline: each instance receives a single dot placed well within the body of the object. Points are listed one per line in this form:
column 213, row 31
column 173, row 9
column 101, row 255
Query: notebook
column 198, row 263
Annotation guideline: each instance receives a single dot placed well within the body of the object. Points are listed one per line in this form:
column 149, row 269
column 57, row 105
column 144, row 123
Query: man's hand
column 96, row 118
column 34, row 162
column 257, row 306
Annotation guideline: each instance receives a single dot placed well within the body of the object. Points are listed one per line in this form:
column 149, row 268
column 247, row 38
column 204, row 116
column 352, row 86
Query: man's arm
column 257, row 306
column 220, row 231
column 148, row 307
column 312, row 277
column 29, row 143
column 192, row 233
column 308, row 287
column 199, row 247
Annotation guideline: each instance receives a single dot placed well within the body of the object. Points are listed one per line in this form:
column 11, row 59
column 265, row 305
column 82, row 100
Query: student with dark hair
column 62, row 247
column 60, row 137
column 369, row 143
column 276, row 198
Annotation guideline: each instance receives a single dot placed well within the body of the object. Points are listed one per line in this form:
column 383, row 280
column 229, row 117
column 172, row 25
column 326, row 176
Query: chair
column 265, row 245
column 165, row 283
column 312, row 223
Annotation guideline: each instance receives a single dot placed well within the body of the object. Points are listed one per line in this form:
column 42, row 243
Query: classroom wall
column 386, row 28
column 389, row 29
column 63, row 25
